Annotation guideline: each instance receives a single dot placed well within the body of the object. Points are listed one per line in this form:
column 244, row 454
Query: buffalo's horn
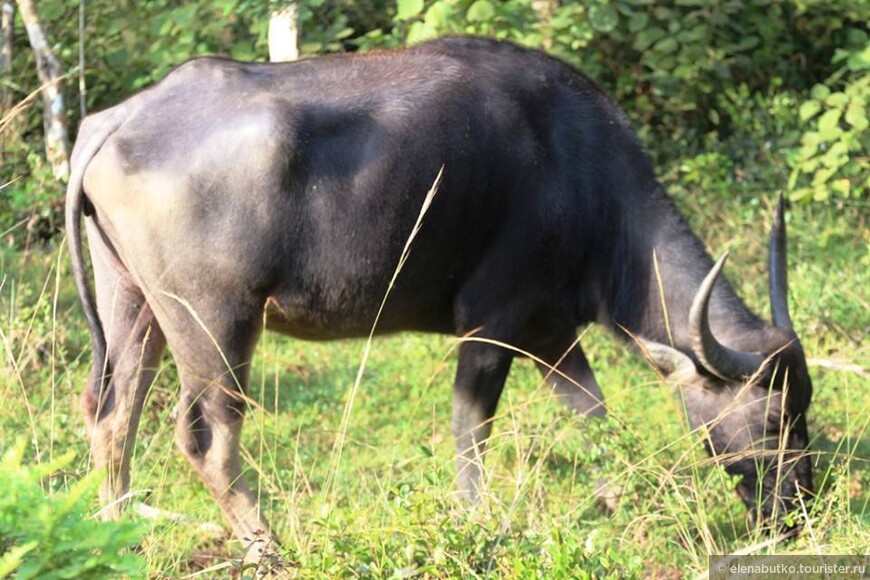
column 777, row 266
column 717, row 358
column 672, row 363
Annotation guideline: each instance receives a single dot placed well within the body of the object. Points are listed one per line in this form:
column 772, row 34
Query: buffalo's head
column 751, row 404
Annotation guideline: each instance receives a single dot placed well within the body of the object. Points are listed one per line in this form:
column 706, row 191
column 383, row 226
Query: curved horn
column 725, row 363
column 778, row 270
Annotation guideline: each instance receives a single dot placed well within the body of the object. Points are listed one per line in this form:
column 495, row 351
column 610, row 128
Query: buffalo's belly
column 309, row 325
column 336, row 315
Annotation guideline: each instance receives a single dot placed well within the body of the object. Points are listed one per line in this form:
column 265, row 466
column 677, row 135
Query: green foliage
column 34, row 200
column 52, row 535
column 833, row 158
column 673, row 65
column 688, row 71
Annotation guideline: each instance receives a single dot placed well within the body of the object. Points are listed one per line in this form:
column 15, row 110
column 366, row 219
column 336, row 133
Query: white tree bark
column 284, row 34
column 83, row 88
column 7, row 14
column 50, row 75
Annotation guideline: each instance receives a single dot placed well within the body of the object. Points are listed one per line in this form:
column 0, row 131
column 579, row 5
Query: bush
column 52, row 535
column 668, row 63
column 690, row 71
column 832, row 159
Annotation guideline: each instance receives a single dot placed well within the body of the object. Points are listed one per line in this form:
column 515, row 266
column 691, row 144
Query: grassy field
column 386, row 509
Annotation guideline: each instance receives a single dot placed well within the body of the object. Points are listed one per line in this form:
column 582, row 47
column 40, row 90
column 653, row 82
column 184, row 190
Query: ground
column 384, row 507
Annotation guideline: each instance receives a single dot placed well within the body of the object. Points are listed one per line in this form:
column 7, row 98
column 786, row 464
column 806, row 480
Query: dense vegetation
column 736, row 100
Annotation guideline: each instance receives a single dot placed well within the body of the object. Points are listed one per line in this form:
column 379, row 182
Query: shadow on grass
column 302, row 386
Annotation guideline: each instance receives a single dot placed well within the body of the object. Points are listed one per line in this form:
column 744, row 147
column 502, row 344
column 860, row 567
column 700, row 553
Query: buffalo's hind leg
column 213, row 353
column 134, row 342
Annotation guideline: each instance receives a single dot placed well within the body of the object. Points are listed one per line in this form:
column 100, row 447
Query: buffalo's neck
column 651, row 286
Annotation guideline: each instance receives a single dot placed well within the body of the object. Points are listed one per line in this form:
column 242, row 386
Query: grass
column 386, row 509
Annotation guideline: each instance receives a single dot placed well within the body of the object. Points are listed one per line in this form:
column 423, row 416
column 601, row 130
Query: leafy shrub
column 668, row 63
column 687, row 70
column 832, row 159
column 51, row 535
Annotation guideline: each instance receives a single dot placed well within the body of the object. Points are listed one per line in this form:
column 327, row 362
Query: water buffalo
column 235, row 195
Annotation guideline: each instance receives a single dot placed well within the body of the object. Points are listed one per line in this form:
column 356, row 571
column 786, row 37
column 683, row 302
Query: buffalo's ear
column 676, row 366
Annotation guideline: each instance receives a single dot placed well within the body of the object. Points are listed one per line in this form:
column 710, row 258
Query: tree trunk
column 284, row 34
column 7, row 20
column 7, row 14
column 50, row 75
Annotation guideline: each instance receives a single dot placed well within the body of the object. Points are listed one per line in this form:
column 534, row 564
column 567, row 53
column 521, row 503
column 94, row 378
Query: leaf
column 481, row 11
column 664, row 14
column 857, row 117
column 638, row 21
column 809, row 109
column 856, row 37
column 718, row 18
column 822, row 175
column 13, row 557
column 810, row 138
column 418, row 32
column 243, row 51
column 819, row 92
column 829, row 120
column 85, row 486
column 859, row 90
column 841, row 187
column 748, row 43
column 859, row 60
column 713, row 115
column 184, row 15
column 647, row 37
column 792, row 179
column 346, row 32
column 800, row 194
column 13, row 456
column 830, row 133
column 820, row 193
column 603, row 18
column 408, row 8
column 45, row 469
column 439, row 16
column 667, row 45
column 836, row 156
column 686, row 71
column 837, row 99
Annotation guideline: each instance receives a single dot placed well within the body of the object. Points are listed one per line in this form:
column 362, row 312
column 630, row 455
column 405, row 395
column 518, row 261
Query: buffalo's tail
column 87, row 146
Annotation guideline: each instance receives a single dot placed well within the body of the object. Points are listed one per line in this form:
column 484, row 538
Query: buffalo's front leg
column 480, row 377
column 567, row 372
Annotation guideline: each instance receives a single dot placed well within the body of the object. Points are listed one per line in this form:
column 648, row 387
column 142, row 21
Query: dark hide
column 229, row 188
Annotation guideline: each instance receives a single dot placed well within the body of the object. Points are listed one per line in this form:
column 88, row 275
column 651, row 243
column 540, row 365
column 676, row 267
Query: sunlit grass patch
column 391, row 509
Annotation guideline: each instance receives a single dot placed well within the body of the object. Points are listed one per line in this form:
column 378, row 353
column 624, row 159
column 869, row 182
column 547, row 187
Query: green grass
column 390, row 510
